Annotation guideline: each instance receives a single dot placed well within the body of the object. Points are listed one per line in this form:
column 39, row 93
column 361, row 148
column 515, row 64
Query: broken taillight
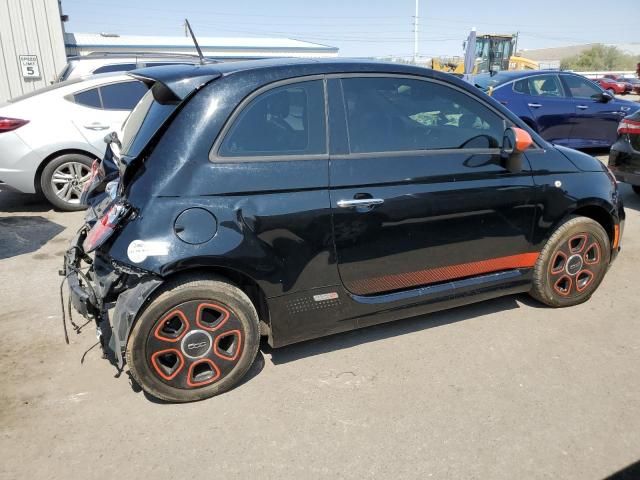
column 104, row 227
column 8, row 124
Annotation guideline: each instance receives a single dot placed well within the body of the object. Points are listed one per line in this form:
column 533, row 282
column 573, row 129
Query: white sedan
column 50, row 138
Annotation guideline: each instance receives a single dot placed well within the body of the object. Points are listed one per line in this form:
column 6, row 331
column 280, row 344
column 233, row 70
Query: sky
column 366, row 28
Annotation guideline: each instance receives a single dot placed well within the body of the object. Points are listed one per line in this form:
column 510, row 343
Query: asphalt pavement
column 503, row 389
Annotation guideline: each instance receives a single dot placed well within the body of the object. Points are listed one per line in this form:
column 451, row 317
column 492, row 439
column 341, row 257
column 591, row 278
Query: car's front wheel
column 572, row 264
column 636, row 188
column 63, row 179
column 197, row 339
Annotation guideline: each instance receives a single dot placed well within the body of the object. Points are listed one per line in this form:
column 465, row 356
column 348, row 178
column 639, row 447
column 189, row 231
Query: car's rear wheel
column 63, row 179
column 611, row 91
column 572, row 264
column 197, row 339
column 636, row 188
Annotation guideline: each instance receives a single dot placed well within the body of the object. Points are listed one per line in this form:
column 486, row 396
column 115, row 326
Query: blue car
column 564, row 108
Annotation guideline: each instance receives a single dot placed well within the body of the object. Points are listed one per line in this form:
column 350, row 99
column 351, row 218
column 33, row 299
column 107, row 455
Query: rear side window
column 545, row 86
column 399, row 114
column 146, row 119
column 122, row 96
column 115, row 96
column 286, row 120
column 121, row 67
column 521, row 86
column 88, row 98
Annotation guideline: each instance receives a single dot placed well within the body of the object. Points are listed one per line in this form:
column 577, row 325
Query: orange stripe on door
column 401, row 281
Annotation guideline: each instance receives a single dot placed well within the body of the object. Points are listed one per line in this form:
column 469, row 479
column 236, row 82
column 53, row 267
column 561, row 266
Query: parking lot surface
column 501, row 389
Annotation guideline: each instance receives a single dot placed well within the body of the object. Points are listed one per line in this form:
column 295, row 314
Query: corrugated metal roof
column 85, row 40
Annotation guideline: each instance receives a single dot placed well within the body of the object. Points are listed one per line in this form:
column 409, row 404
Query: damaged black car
column 292, row 199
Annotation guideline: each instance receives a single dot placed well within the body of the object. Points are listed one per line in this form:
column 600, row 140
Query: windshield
column 143, row 122
column 485, row 81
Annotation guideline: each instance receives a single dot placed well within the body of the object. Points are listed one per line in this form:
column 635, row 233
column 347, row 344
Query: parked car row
column 50, row 138
column 632, row 84
column 563, row 107
column 615, row 84
column 299, row 198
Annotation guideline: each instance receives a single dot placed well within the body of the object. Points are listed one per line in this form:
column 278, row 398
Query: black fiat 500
column 296, row 198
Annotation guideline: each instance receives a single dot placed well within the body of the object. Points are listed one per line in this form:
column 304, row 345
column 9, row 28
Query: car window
column 123, row 95
column 521, row 86
column 399, row 114
column 120, row 67
column 545, row 86
column 581, row 87
column 88, row 98
column 286, row 120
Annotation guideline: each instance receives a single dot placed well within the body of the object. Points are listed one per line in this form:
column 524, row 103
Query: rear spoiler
column 180, row 80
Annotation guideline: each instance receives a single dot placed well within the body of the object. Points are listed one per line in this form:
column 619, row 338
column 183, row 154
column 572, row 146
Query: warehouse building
column 220, row 48
column 31, row 46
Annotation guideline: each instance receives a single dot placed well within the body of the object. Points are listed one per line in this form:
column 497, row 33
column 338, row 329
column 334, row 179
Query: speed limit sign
column 29, row 66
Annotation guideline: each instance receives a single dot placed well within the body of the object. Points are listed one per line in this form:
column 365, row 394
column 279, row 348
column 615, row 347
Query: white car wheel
column 63, row 180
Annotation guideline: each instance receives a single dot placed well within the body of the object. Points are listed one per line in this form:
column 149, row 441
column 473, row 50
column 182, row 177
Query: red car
column 614, row 86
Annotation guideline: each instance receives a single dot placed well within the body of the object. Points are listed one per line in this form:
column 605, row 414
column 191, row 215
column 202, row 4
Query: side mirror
column 605, row 97
column 514, row 143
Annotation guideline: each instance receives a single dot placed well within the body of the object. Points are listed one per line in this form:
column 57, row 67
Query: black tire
column 559, row 284
column 636, row 188
column 194, row 297
column 48, row 189
column 611, row 91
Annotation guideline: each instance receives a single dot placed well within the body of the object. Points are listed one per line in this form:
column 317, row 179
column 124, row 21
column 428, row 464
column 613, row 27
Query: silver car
column 94, row 63
column 50, row 138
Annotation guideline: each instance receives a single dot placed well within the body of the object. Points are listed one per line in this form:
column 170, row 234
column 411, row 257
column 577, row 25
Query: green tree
column 600, row 58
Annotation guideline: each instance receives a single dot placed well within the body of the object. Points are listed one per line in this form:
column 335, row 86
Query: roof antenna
column 195, row 42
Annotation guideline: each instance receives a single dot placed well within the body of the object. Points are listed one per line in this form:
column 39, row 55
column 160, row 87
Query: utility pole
column 415, row 35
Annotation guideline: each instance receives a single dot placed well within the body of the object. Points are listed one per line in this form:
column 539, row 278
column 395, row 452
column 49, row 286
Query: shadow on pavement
column 630, row 199
column 630, row 472
column 25, row 234
column 11, row 202
column 388, row 330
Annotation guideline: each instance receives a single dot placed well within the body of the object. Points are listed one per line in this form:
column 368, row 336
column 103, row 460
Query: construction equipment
column 493, row 53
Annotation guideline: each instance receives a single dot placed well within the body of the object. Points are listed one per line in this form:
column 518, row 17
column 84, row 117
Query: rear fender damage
column 125, row 312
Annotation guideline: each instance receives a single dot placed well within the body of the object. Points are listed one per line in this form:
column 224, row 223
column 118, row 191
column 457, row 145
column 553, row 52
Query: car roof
column 182, row 79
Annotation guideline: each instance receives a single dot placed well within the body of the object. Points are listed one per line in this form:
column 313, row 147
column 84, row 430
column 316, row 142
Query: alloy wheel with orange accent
column 195, row 340
column 572, row 263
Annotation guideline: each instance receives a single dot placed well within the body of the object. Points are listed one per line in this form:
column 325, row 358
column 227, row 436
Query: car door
column 552, row 110
column 103, row 109
column 418, row 191
column 596, row 120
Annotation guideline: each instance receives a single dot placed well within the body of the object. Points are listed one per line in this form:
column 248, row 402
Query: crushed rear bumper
column 107, row 293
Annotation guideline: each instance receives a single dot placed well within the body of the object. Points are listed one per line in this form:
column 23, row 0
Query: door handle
column 96, row 126
column 582, row 107
column 360, row 202
column 534, row 105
